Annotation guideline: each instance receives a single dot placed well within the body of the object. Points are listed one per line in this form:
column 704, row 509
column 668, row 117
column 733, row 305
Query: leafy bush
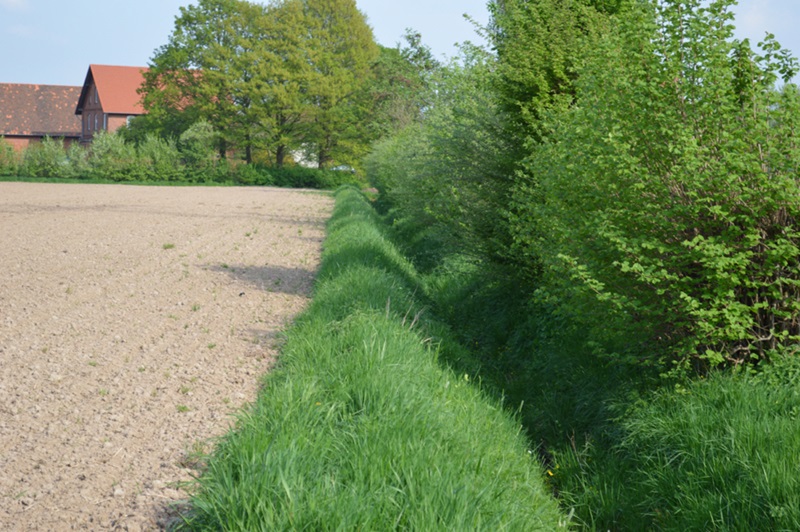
column 160, row 159
column 197, row 148
column 78, row 161
column 671, row 204
column 45, row 159
column 9, row 160
column 448, row 169
column 114, row 159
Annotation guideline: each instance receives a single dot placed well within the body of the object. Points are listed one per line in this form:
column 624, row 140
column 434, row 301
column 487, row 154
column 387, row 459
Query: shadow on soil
column 293, row 281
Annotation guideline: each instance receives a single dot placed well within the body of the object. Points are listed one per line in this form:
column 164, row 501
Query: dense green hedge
column 359, row 427
column 155, row 160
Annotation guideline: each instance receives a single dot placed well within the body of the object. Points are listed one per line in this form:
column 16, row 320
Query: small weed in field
column 195, row 307
column 103, row 392
column 194, row 458
column 212, row 346
column 182, row 408
column 142, row 369
column 184, row 390
column 168, row 246
column 172, row 316
column 68, row 290
column 93, row 363
column 224, row 266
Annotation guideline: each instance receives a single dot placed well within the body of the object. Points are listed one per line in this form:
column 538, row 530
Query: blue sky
column 53, row 41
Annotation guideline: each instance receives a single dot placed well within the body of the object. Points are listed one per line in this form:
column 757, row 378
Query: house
column 28, row 113
column 109, row 98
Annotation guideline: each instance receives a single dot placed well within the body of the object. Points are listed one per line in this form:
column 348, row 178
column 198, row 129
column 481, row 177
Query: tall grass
column 625, row 450
column 360, row 427
column 723, row 454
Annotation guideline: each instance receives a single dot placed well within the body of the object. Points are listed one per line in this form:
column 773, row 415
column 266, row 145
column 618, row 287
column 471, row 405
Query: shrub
column 78, row 161
column 114, row 159
column 197, row 148
column 160, row 159
column 671, row 204
column 45, row 159
column 9, row 160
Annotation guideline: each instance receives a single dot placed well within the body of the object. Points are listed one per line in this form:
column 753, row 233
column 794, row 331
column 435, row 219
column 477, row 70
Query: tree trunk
column 280, row 155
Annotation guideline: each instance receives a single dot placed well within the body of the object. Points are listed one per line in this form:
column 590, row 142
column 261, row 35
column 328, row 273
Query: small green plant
column 182, row 408
column 103, row 392
column 195, row 307
column 212, row 345
column 168, row 246
column 184, row 390
column 92, row 363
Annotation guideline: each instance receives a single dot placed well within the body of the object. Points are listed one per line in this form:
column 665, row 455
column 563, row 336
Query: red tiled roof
column 38, row 110
column 116, row 87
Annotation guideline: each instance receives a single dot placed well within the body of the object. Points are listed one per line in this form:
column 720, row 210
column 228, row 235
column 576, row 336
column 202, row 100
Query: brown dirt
column 134, row 321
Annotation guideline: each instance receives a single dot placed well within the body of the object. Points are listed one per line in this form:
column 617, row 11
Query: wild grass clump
column 360, row 428
column 721, row 454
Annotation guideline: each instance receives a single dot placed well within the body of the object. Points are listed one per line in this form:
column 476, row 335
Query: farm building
column 109, row 98
column 28, row 113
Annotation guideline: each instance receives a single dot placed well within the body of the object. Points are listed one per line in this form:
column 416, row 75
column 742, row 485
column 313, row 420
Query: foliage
column 671, row 195
column 44, row 159
column 359, row 428
column 77, row 161
column 401, row 83
column 160, row 159
column 540, row 45
column 9, row 160
column 447, row 169
column 112, row 158
column 278, row 78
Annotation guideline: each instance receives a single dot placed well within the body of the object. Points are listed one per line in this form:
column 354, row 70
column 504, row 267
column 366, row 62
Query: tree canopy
column 272, row 79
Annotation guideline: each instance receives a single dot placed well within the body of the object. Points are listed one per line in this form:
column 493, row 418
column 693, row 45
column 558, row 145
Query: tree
column 400, row 85
column 341, row 51
column 273, row 77
column 196, row 75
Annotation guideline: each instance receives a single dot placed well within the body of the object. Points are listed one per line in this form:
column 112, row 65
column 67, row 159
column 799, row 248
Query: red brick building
column 28, row 113
column 108, row 99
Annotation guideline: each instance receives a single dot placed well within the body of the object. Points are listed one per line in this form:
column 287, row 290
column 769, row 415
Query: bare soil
column 134, row 323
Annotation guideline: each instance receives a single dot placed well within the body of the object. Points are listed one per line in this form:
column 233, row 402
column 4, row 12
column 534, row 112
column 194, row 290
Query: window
column 96, row 121
column 89, row 122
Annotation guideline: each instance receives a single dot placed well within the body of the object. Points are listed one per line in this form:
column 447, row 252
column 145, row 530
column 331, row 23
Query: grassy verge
column 624, row 449
column 360, row 427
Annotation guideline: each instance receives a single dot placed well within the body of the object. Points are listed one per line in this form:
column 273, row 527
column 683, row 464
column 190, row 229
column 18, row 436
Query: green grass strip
column 360, row 428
